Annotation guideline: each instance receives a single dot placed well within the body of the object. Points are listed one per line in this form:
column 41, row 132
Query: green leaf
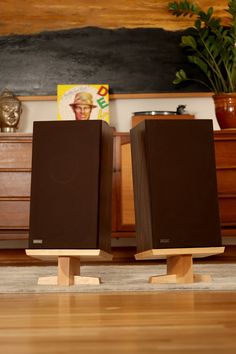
column 188, row 41
column 197, row 24
column 180, row 76
column 210, row 12
column 200, row 63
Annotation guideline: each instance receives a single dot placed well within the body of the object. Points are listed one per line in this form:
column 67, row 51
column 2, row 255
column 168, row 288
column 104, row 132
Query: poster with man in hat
column 83, row 102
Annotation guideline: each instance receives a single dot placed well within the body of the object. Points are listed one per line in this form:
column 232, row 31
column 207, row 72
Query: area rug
column 115, row 278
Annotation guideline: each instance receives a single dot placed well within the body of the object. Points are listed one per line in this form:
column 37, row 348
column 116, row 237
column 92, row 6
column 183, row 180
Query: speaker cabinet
column 71, row 185
column 175, row 188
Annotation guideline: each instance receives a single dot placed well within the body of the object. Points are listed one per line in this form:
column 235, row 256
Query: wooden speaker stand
column 69, row 265
column 179, row 263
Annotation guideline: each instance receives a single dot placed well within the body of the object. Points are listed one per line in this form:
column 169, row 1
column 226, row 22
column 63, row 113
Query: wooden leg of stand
column 163, row 279
column 202, row 278
column 69, row 272
column 180, row 270
column 182, row 267
column 51, row 280
column 68, row 267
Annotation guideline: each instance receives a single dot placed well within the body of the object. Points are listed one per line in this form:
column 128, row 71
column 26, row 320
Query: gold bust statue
column 10, row 111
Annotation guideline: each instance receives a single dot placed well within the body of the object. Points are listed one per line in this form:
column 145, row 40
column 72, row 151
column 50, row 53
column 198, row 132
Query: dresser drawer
column 225, row 152
column 14, row 214
column 15, row 184
column 6, row 235
column 227, row 206
column 226, row 181
column 15, row 155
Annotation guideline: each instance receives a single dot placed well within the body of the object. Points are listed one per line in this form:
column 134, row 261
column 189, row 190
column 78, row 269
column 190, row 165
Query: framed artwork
column 133, row 46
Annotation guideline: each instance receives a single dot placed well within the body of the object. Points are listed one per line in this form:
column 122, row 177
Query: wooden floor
column 161, row 322
column 171, row 322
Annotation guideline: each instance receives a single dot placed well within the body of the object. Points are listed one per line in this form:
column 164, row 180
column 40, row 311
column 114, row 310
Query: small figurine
column 181, row 109
column 10, row 111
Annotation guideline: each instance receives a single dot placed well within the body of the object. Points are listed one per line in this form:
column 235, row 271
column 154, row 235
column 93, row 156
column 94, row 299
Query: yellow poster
column 83, row 102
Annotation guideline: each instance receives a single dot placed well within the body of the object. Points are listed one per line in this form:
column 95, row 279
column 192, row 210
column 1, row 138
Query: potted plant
column 211, row 46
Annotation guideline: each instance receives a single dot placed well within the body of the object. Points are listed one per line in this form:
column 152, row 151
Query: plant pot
column 225, row 110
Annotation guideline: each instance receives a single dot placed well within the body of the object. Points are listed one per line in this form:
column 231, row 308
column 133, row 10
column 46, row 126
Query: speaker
column 175, row 187
column 71, row 185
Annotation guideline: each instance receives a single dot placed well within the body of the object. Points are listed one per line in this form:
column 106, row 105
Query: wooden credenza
column 15, row 175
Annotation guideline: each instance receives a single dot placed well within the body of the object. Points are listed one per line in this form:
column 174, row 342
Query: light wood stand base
column 69, row 265
column 179, row 263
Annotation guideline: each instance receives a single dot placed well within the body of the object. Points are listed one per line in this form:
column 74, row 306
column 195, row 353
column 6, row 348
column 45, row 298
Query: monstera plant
column 211, row 46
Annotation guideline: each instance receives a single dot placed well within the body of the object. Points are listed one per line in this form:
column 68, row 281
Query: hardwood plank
column 167, row 322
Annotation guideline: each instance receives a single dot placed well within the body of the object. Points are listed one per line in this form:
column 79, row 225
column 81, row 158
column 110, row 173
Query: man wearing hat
column 82, row 105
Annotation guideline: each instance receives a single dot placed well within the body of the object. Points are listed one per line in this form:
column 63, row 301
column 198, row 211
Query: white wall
column 121, row 110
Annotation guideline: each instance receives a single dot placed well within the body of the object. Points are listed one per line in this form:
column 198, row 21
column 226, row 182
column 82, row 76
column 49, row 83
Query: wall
column 121, row 110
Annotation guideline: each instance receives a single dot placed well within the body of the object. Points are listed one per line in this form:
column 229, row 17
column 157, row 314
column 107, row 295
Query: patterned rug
column 115, row 278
